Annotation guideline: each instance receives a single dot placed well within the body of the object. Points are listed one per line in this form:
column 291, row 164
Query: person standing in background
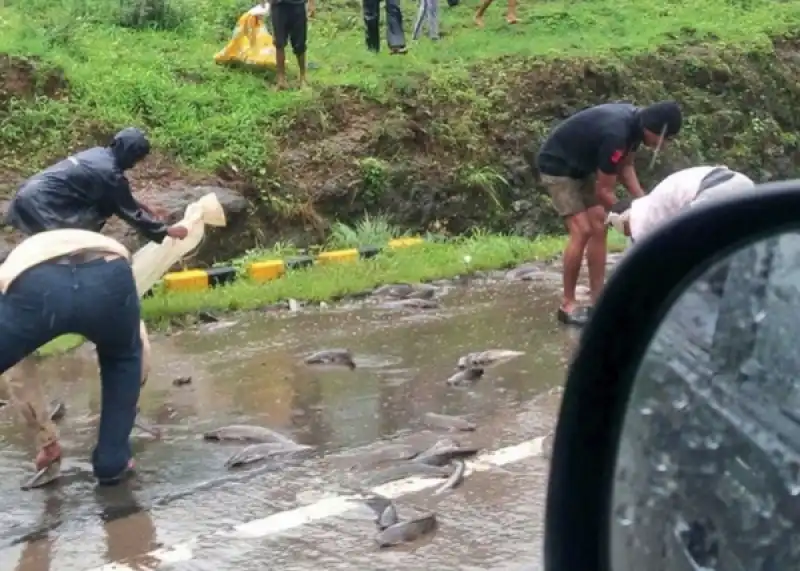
column 580, row 163
column 511, row 12
column 395, row 36
column 290, row 25
column 428, row 10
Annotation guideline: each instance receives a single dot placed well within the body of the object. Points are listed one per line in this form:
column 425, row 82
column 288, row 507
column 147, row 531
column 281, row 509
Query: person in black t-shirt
column 580, row 163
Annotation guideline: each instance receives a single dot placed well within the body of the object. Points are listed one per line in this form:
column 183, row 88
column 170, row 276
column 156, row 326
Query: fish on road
column 331, row 357
column 443, row 452
column 407, row 531
column 455, row 423
column 247, row 433
column 407, row 290
column 483, row 359
column 465, row 378
column 455, row 479
column 263, row 451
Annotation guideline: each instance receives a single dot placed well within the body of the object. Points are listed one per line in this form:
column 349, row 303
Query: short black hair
column 663, row 116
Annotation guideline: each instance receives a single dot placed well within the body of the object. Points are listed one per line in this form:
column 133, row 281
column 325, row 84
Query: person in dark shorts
column 289, row 25
column 580, row 163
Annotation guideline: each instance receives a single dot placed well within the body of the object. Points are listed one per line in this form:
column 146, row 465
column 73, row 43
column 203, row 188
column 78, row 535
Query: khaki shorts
column 571, row 195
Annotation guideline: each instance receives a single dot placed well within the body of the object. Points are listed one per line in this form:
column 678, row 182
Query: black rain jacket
column 83, row 191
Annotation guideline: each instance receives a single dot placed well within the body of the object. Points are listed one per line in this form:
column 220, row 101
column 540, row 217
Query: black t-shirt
column 597, row 138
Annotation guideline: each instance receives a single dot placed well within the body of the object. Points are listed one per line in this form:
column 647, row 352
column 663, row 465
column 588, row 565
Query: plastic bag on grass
column 251, row 43
column 152, row 261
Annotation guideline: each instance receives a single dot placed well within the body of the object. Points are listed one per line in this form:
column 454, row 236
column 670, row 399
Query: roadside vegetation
column 150, row 63
column 437, row 258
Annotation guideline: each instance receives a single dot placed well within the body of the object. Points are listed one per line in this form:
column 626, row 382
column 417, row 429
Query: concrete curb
column 268, row 270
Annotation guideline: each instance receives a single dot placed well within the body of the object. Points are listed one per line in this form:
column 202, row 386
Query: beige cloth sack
column 152, row 261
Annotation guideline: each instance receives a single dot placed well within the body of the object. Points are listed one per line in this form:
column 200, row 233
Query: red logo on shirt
column 617, row 157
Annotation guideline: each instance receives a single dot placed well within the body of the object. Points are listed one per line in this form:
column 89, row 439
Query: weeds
column 370, row 231
column 150, row 63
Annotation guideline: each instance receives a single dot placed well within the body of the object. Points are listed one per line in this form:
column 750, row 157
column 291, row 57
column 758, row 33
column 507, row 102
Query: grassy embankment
column 436, row 259
column 149, row 62
column 126, row 64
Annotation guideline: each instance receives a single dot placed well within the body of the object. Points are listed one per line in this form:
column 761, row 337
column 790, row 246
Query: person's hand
column 48, row 455
column 177, row 232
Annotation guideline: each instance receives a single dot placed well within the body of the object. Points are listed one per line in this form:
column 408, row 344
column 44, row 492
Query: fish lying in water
column 449, row 422
column 401, row 471
column 443, row 452
column 525, row 272
column 248, row 433
column 465, row 378
column 57, row 410
column 406, row 291
column 180, row 381
column 483, row 359
column 331, row 357
column 455, row 479
column 406, row 531
column 411, row 303
column 43, row 477
column 258, row 452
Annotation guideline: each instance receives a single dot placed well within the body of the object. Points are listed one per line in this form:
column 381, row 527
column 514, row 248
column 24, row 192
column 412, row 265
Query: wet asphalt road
column 248, row 372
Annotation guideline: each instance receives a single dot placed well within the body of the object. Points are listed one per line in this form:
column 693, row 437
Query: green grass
column 158, row 71
column 428, row 261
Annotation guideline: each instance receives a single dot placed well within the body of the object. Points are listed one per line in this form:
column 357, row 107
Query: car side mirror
column 678, row 440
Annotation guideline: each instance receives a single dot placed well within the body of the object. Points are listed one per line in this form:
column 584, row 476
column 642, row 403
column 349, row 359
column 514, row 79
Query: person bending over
column 580, row 163
column 84, row 190
column 76, row 281
column 636, row 218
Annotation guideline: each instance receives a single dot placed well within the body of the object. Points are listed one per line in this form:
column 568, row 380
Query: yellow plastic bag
column 251, row 43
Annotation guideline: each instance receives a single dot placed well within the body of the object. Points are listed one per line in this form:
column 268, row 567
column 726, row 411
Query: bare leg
column 579, row 229
column 511, row 12
column 596, row 250
column 481, row 11
column 280, row 61
column 301, row 63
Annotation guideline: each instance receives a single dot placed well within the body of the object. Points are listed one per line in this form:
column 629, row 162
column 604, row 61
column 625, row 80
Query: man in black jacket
column 580, row 163
column 83, row 191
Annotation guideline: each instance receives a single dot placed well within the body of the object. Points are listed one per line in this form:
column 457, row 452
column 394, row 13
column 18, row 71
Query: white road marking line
column 325, row 508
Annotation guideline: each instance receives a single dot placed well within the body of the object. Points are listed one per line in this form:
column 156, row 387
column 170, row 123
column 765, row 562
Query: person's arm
column 609, row 161
column 126, row 207
column 628, row 177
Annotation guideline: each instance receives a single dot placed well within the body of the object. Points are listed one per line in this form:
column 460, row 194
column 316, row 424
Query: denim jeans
column 95, row 299
column 395, row 36
column 428, row 10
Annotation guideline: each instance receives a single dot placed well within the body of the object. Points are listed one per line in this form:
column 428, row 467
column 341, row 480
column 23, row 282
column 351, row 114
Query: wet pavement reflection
column 250, row 371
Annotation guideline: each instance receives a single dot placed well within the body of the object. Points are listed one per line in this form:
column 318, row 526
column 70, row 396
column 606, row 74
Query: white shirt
column 672, row 195
column 53, row 244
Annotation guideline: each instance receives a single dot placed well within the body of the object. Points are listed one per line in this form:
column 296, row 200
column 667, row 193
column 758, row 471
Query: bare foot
column 479, row 21
column 304, row 84
column 512, row 19
column 281, row 85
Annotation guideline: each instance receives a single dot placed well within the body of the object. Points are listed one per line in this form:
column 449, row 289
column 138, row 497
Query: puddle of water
column 252, row 372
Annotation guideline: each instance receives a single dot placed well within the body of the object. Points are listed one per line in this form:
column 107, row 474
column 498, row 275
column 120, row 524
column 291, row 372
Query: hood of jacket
column 129, row 146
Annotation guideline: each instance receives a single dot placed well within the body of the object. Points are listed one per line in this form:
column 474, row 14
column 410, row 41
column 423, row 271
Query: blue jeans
column 95, row 299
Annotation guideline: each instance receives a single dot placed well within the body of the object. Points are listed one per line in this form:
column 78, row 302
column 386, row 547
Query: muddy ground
column 249, row 371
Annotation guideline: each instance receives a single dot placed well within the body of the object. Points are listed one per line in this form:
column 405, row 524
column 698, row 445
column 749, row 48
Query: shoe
column 578, row 317
column 118, row 479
